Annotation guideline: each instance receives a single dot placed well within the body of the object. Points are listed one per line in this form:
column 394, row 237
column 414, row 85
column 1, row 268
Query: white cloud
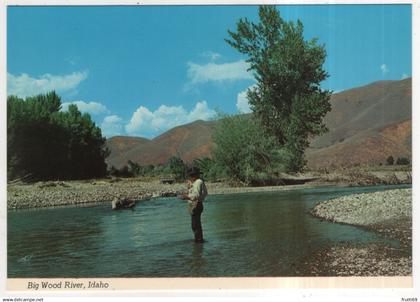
column 141, row 119
column 91, row 107
column 212, row 72
column 24, row 85
column 111, row 126
column 147, row 123
column 384, row 69
column 112, row 119
column 201, row 112
column 242, row 103
column 213, row 56
column 404, row 76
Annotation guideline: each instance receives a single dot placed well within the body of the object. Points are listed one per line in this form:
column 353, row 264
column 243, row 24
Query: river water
column 248, row 234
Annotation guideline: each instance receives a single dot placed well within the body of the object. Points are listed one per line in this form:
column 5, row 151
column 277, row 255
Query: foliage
column 113, row 171
column 133, row 168
column 245, row 154
column 390, row 160
column 204, row 164
column 50, row 144
column 177, row 168
column 210, row 169
column 287, row 98
column 124, row 171
column 403, row 161
column 147, row 170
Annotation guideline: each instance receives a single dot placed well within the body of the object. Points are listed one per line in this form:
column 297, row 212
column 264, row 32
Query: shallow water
column 249, row 234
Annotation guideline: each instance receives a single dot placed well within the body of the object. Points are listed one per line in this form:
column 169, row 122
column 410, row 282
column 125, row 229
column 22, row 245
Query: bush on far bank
column 403, row 161
column 47, row 143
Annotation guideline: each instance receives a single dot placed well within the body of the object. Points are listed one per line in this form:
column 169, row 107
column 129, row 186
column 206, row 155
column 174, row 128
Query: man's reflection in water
column 198, row 261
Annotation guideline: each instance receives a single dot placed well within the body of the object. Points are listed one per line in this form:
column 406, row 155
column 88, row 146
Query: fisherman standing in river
column 197, row 192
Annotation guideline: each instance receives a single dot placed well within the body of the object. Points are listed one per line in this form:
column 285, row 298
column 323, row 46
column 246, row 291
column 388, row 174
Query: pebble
column 367, row 208
column 388, row 213
column 77, row 192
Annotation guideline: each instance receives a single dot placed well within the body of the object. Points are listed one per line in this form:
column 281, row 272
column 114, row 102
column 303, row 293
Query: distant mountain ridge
column 366, row 125
column 188, row 142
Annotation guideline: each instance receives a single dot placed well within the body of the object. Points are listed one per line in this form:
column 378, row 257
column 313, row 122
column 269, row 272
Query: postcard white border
column 267, row 288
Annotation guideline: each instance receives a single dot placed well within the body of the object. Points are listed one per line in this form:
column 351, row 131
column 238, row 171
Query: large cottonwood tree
column 287, row 98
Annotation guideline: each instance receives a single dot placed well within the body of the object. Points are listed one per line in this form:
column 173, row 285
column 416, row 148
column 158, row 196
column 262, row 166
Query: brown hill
column 367, row 148
column 119, row 146
column 370, row 107
column 366, row 125
column 188, row 142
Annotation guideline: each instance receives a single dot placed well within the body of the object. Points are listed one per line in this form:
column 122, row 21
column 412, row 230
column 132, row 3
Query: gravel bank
column 47, row 194
column 388, row 213
column 350, row 260
column 59, row 193
column 366, row 209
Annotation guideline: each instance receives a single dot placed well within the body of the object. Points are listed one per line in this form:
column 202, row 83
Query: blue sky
column 140, row 70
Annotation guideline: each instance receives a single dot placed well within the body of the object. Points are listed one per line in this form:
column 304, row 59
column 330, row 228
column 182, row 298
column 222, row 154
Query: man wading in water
column 197, row 192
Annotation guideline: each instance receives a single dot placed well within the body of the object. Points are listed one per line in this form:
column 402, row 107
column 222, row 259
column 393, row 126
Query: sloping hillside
column 366, row 125
column 188, row 142
column 370, row 107
column 368, row 147
column 119, row 146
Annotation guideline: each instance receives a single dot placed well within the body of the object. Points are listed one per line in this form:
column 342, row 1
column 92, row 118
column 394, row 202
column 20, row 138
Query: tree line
column 48, row 144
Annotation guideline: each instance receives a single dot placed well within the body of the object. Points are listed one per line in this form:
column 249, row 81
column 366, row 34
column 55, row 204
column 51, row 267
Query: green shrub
column 403, row 161
column 177, row 168
column 246, row 152
column 390, row 160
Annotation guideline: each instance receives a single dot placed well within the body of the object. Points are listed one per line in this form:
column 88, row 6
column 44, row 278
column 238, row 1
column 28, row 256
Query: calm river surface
column 249, row 234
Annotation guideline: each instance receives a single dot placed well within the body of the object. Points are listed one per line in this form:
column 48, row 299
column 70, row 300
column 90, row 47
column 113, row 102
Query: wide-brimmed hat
column 194, row 171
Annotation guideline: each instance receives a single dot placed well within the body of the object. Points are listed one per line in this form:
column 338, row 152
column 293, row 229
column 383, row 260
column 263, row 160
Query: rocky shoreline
column 63, row 193
column 60, row 193
column 388, row 213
